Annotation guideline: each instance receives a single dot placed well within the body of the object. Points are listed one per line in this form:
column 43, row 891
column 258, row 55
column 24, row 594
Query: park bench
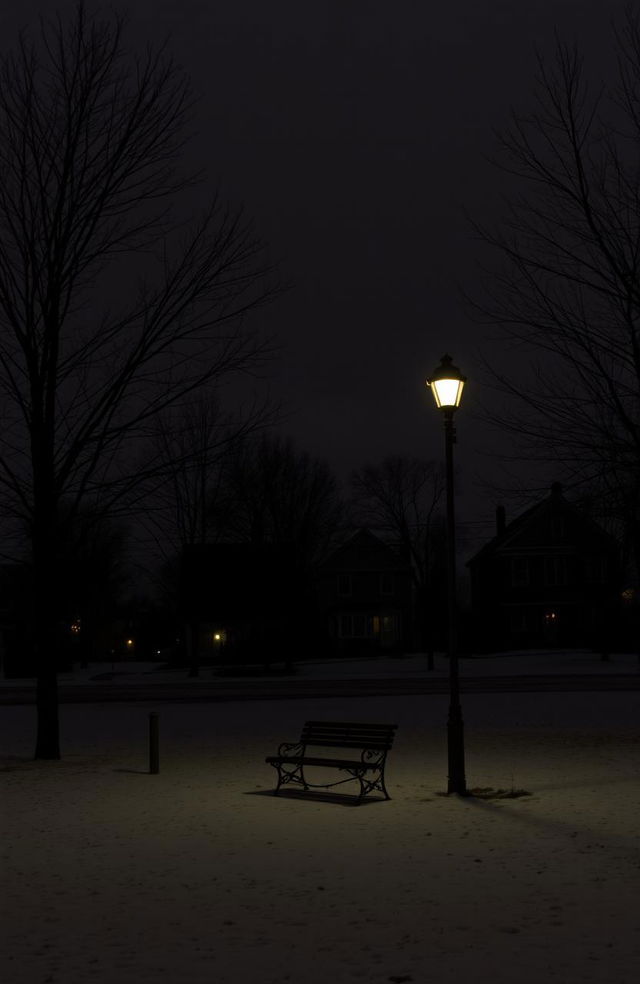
column 371, row 741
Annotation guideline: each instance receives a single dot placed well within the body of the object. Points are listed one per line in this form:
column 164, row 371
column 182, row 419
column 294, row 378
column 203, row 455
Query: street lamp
column 446, row 384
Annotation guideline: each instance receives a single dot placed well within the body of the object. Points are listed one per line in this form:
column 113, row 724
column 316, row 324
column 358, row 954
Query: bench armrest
column 291, row 747
column 373, row 756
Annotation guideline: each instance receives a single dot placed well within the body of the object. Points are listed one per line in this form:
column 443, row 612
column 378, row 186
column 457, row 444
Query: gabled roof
column 364, row 551
column 553, row 505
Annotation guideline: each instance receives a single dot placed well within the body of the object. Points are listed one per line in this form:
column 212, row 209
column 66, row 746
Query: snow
column 200, row 875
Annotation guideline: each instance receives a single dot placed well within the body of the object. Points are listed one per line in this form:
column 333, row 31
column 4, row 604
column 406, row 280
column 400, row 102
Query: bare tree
column 90, row 141
column 274, row 493
column 196, row 443
column 402, row 496
column 281, row 497
column 258, row 489
column 566, row 287
column 94, row 577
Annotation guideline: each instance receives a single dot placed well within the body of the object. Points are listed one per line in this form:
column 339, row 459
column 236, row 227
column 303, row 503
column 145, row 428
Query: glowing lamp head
column 446, row 384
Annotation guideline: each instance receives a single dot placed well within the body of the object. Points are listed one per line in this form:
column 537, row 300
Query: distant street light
column 446, row 384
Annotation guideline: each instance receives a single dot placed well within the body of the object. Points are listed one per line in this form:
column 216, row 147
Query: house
column 551, row 577
column 364, row 594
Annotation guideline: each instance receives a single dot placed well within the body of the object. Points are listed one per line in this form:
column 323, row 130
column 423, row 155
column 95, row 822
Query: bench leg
column 369, row 785
column 295, row 776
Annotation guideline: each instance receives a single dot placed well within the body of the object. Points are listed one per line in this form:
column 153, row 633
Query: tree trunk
column 45, row 595
column 45, row 618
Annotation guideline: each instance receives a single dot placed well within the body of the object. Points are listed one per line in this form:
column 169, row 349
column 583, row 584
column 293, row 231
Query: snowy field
column 199, row 876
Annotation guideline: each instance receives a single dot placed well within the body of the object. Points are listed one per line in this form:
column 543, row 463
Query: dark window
column 359, row 627
column 356, row 627
column 386, row 583
column 596, row 570
column 519, row 572
column 344, row 585
column 346, row 627
column 555, row 570
column 518, row 621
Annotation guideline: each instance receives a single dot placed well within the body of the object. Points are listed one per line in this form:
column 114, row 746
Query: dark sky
column 353, row 132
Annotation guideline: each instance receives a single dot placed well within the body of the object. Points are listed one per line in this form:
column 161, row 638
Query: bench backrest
column 349, row 734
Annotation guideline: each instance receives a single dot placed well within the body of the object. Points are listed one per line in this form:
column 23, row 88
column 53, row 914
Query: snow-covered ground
column 199, row 875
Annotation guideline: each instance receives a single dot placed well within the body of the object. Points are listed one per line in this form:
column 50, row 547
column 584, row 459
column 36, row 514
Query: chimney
column 501, row 520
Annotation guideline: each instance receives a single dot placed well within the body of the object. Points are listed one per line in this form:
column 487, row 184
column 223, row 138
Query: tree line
column 260, row 489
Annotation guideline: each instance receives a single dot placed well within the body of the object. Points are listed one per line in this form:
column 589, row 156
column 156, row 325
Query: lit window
column 390, row 628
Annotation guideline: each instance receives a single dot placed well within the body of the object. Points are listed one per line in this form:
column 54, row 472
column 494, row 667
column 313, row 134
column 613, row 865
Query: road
column 283, row 688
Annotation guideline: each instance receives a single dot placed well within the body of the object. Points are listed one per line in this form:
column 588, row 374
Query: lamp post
column 446, row 383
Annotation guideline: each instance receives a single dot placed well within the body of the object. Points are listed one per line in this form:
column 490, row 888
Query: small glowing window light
column 129, row 643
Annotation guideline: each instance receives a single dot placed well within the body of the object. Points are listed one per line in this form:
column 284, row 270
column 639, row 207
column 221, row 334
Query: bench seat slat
column 336, row 743
column 349, row 728
column 330, row 763
column 350, row 725
column 356, row 736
